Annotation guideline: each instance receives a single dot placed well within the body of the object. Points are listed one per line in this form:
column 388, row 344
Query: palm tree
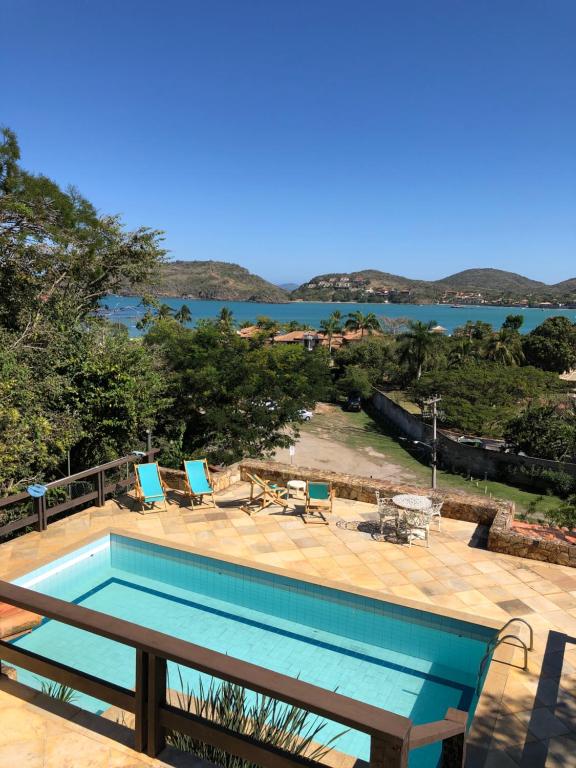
column 504, row 347
column 462, row 349
column 331, row 326
column 357, row 321
column 416, row 345
column 183, row 315
column 225, row 316
column 164, row 311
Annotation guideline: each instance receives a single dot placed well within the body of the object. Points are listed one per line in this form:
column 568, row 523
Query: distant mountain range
column 224, row 281
column 491, row 283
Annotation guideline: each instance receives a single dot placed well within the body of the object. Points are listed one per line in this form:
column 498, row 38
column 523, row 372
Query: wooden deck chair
column 149, row 486
column 319, row 497
column 197, row 480
column 270, row 493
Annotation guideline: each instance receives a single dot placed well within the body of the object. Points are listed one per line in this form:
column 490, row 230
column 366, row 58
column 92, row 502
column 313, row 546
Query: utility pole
column 432, row 411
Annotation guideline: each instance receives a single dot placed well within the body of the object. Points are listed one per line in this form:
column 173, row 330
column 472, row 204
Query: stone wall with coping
column 474, row 509
column 497, row 515
column 174, row 478
column 503, row 538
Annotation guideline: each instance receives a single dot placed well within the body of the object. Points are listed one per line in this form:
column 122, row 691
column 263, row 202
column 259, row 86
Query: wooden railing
column 391, row 735
column 42, row 511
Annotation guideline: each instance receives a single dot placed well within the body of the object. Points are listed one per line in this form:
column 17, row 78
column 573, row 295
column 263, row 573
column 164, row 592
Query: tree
column 504, row 347
column 477, row 331
column 513, row 323
column 416, row 346
column 58, row 256
column 544, row 431
column 462, row 350
column 222, row 389
column 552, row 345
column 183, row 315
column 394, row 325
column 331, row 326
column 375, row 355
column 480, row 397
column 358, row 321
column 226, row 316
column 355, row 381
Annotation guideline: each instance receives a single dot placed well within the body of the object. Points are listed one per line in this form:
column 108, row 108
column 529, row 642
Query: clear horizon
column 299, row 138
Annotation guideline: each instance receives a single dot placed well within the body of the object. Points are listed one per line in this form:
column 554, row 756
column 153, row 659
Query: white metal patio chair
column 417, row 526
column 436, row 510
column 387, row 512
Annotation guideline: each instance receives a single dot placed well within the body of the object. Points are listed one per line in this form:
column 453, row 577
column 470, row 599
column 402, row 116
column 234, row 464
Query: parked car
column 305, row 414
column 472, row 442
column 354, row 403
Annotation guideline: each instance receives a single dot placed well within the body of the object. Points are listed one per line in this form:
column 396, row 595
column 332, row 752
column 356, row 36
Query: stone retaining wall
column 503, row 538
column 497, row 515
column 461, row 506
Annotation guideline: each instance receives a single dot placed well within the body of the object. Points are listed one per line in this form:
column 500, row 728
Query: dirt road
column 331, row 440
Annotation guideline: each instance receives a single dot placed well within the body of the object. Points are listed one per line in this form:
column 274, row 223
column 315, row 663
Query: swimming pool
column 399, row 658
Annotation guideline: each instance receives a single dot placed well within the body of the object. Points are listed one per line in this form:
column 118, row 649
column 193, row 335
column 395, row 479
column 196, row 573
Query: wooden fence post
column 100, row 482
column 156, row 740
column 389, row 751
column 454, row 748
column 141, row 690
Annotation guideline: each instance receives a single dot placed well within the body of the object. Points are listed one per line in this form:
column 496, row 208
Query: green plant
column 564, row 516
column 282, row 726
column 58, row 691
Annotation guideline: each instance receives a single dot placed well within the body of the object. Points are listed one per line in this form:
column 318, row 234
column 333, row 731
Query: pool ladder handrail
column 498, row 639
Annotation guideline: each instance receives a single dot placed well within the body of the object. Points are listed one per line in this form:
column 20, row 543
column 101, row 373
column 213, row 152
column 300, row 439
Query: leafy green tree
column 552, row 345
column 462, row 350
column 481, row 397
column 375, row 355
column 231, row 398
column 544, row 431
column 332, row 325
column 358, row 321
column 513, row 323
column 58, row 256
column 355, row 381
column 416, row 346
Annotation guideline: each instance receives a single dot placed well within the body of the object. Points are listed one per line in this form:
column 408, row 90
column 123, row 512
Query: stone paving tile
column 530, row 716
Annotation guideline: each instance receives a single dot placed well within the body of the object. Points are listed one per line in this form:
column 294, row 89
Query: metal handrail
column 498, row 638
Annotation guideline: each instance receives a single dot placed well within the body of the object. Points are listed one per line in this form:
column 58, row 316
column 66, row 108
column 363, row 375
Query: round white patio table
column 412, row 503
column 294, row 486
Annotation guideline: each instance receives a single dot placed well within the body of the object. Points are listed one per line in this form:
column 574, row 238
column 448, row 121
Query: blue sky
column 298, row 137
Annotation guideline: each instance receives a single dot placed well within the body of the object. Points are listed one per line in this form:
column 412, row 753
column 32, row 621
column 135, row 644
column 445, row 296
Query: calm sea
column 128, row 309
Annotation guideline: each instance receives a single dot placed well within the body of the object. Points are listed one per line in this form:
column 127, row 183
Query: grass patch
column 360, row 431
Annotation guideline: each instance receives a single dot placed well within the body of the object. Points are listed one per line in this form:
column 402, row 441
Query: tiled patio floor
column 528, row 718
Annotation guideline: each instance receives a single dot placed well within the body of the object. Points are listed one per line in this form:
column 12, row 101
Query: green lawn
column 359, row 430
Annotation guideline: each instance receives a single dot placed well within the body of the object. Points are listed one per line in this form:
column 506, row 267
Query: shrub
column 285, row 727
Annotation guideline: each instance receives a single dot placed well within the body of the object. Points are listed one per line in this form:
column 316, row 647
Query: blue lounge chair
column 149, row 487
column 197, row 480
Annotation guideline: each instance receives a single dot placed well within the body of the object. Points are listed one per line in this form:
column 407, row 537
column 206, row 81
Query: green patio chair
column 319, row 497
column 197, row 480
column 149, row 486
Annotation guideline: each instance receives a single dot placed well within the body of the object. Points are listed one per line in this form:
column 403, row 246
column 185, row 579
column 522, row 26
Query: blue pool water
column 408, row 661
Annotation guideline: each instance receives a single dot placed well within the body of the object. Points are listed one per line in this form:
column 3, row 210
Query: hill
column 565, row 287
column 288, row 286
column 490, row 280
column 218, row 280
column 374, row 285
